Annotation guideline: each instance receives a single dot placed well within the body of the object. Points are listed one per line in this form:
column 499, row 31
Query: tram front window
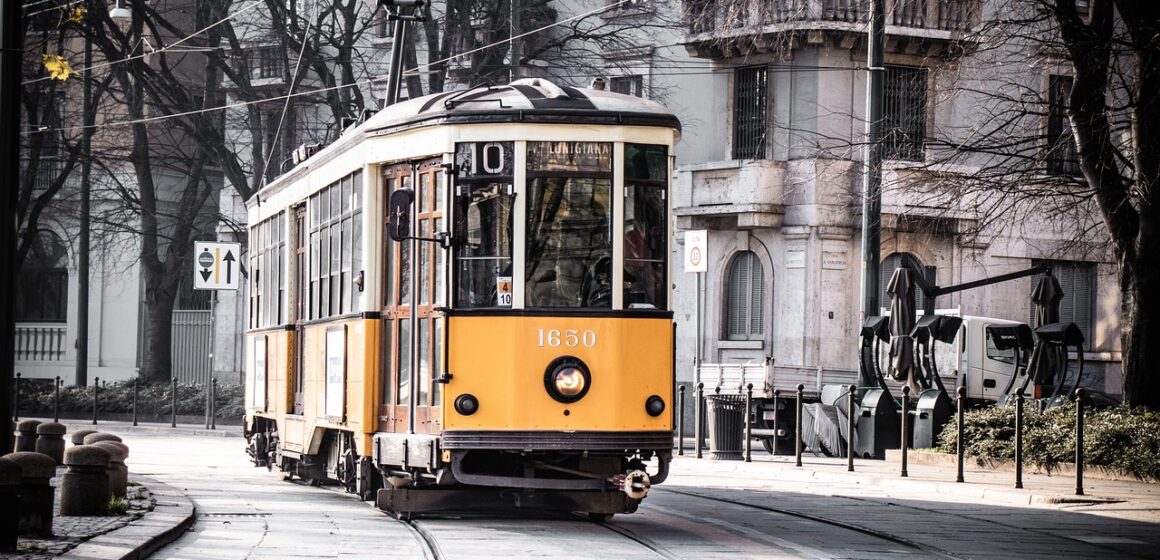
column 645, row 226
column 483, row 216
column 569, row 225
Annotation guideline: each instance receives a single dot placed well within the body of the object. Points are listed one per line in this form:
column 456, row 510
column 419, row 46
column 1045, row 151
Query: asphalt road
column 705, row 511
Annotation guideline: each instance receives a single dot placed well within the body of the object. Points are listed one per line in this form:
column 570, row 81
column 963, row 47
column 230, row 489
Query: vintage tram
column 464, row 301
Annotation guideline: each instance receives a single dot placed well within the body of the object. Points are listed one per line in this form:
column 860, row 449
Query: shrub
column 1126, row 440
column 36, row 397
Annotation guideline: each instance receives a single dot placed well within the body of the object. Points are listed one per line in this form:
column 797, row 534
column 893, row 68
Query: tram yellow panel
column 502, row 361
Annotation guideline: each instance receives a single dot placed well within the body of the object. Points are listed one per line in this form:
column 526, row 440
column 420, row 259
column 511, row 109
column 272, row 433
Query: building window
column 886, row 272
column 1061, row 152
column 336, row 248
column 745, row 298
column 628, row 85
column 749, row 112
column 42, row 286
column 1078, row 281
column 384, row 26
column 904, row 113
column 267, row 272
column 270, row 62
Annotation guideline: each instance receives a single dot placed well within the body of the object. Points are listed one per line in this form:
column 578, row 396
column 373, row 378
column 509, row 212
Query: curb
column 128, row 428
column 172, row 514
column 938, row 459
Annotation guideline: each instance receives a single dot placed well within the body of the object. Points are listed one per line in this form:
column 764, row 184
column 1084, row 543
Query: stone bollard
column 36, row 494
column 78, row 437
column 84, row 488
column 50, row 440
column 117, row 471
column 26, row 435
column 100, row 436
column 9, row 514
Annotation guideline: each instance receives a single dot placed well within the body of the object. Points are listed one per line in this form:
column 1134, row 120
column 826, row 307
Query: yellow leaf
column 58, row 68
column 77, row 15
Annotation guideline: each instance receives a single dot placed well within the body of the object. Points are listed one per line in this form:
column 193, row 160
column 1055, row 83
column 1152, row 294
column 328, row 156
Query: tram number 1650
column 570, row 338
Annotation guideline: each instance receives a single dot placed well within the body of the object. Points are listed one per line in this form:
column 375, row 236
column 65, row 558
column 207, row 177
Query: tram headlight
column 567, row 379
column 466, row 404
column 654, row 405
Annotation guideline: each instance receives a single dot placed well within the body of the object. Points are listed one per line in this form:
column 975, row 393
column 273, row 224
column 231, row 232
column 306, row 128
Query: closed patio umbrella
column 902, row 319
column 1046, row 359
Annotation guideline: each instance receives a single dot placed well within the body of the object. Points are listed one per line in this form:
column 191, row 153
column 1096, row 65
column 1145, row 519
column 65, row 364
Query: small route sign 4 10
column 217, row 266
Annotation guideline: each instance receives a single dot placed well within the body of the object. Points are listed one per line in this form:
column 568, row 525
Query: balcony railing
column 40, row 342
column 943, row 15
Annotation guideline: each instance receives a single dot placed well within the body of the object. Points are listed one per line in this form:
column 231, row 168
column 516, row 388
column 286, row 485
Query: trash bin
column 935, row 408
column 726, row 426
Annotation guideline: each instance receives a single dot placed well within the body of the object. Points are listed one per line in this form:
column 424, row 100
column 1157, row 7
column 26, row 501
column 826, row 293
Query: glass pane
column 569, row 247
column 570, row 156
column 425, row 263
column 440, row 267
column 356, row 260
column 424, row 360
column 404, row 272
column 403, row 350
column 324, row 206
column 347, row 184
column 347, row 257
column 437, row 388
column 483, row 220
column 439, row 187
column 388, row 381
column 356, row 193
column 645, row 250
column 645, row 162
column 335, row 191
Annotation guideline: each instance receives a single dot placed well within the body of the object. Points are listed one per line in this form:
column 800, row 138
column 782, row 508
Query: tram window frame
column 567, row 167
column 267, row 277
column 335, row 238
column 485, row 183
column 646, row 169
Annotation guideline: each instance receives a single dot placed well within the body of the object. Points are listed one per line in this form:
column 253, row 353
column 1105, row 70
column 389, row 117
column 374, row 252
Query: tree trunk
column 1140, row 290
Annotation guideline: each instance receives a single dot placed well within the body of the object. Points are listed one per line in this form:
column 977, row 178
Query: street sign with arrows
column 217, row 266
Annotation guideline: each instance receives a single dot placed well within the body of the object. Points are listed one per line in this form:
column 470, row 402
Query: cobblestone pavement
column 68, row 532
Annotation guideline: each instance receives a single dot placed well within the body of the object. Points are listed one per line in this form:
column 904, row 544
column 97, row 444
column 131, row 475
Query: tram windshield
column 645, row 227
column 569, row 225
column 483, row 225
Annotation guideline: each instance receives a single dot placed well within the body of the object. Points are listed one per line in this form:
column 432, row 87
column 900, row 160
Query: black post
column 96, row 390
column 11, row 62
column 1079, row 406
column 135, row 386
column 681, row 420
column 748, row 423
column 698, row 412
column 905, row 428
column 213, row 404
column 207, row 405
column 797, row 438
column 173, row 403
column 16, row 401
column 962, row 446
column 1019, row 438
column 56, row 399
column 872, row 158
column 850, row 429
column 776, row 405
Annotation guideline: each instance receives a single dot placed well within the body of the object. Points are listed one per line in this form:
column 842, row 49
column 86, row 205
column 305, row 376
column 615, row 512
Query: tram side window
column 569, row 225
column 483, row 224
column 645, row 226
column 336, row 247
column 267, row 257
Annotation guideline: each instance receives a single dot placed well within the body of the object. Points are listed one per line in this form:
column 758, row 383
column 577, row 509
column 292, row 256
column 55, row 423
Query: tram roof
column 526, row 100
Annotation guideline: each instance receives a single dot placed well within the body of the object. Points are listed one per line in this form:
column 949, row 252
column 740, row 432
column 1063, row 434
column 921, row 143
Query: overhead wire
column 294, row 80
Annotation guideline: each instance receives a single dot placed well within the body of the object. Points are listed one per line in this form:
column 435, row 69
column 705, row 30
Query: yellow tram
column 464, row 301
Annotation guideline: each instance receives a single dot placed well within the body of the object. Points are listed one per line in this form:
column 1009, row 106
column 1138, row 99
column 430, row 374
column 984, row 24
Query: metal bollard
column 96, row 391
column 798, row 427
column 1019, row 438
column 748, row 424
column 699, row 413
column 1079, row 406
column 56, row 399
column 135, row 385
column 850, row 429
column 962, row 446
column 681, row 420
column 905, row 428
column 776, row 405
column 16, row 404
column 173, row 403
column 213, row 404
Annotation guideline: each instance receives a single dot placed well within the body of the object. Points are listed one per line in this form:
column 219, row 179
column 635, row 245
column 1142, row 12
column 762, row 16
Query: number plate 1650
column 568, row 338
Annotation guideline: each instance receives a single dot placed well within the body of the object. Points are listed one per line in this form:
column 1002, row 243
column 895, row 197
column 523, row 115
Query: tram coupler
column 634, row 484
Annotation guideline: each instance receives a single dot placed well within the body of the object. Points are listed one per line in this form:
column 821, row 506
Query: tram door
column 414, row 341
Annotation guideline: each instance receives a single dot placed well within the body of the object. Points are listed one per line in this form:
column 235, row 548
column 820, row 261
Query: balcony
column 724, row 28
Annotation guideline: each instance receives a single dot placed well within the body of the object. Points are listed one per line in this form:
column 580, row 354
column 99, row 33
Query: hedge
column 1122, row 439
column 36, row 398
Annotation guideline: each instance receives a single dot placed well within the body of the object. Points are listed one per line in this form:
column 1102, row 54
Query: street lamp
column 120, row 13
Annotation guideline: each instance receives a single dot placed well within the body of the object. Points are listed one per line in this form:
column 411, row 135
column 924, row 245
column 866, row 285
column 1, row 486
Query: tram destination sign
column 217, row 266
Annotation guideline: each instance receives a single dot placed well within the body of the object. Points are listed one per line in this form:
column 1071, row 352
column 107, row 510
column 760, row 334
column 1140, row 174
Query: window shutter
column 757, row 302
column 745, row 304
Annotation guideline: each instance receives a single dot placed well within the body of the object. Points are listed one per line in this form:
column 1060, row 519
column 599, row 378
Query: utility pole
column 82, row 365
column 872, row 160
column 513, row 43
column 11, row 52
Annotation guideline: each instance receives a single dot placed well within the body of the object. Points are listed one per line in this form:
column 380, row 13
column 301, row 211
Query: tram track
column 940, row 553
column 427, row 541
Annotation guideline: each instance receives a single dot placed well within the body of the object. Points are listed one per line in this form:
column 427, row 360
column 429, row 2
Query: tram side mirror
column 399, row 211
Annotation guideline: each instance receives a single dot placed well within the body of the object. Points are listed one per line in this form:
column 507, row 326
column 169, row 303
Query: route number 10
column 571, row 338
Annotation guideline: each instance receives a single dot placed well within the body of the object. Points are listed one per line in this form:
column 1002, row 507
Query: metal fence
column 191, row 346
